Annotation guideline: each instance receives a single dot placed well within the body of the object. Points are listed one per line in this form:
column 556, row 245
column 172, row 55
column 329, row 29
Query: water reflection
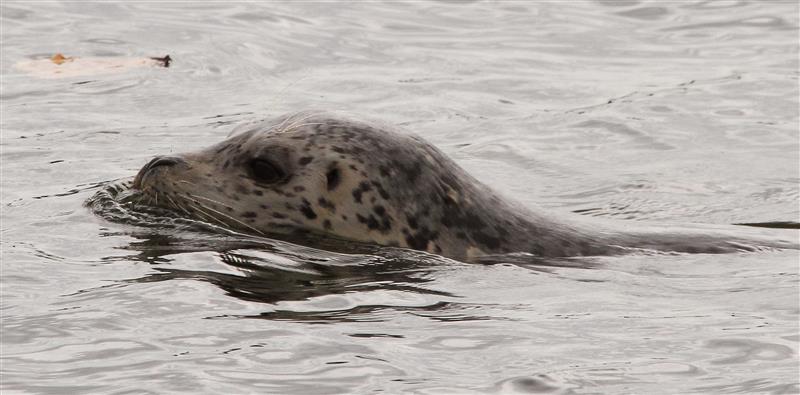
column 374, row 284
column 270, row 271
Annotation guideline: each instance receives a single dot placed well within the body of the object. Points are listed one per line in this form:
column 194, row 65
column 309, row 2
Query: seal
column 324, row 174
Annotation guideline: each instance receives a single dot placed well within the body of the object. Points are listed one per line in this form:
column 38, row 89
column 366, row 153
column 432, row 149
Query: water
column 663, row 111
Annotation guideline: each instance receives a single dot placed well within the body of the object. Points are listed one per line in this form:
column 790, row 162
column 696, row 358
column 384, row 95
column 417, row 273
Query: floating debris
column 164, row 61
column 59, row 59
column 62, row 66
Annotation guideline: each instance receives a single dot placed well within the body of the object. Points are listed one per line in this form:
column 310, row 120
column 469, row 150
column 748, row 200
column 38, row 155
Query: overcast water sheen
column 680, row 111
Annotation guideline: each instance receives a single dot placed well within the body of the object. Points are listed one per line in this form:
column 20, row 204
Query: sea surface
column 663, row 111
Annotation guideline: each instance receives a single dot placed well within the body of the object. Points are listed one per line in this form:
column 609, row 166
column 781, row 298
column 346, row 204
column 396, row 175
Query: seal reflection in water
column 319, row 173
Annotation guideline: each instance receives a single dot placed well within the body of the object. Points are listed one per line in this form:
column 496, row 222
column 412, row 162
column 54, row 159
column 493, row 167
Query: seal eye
column 266, row 172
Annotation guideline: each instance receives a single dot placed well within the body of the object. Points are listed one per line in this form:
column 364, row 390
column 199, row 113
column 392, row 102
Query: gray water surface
column 623, row 110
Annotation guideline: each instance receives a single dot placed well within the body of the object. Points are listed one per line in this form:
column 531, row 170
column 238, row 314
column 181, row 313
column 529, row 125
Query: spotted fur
column 368, row 183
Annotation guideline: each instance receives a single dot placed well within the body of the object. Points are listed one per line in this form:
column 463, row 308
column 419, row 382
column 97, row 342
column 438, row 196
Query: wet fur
column 363, row 182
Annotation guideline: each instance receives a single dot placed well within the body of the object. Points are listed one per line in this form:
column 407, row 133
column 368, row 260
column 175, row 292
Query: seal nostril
column 163, row 161
column 154, row 163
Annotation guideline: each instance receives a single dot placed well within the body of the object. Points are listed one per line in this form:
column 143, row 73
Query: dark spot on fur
column 382, row 222
column 242, row 189
column 411, row 171
column 249, row 214
column 473, row 226
column 278, row 215
column 325, row 203
column 381, row 191
column 333, row 178
column 258, row 192
column 371, row 222
column 455, row 216
column 327, row 224
column 305, row 160
column 306, row 209
column 299, row 188
column 419, row 240
column 385, row 218
column 363, row 186
column 412, row 221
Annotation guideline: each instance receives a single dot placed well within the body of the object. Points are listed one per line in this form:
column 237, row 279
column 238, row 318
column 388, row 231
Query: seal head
column 323, row 174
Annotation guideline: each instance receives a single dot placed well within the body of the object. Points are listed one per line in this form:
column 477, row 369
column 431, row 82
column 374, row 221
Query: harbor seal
column 354, row 180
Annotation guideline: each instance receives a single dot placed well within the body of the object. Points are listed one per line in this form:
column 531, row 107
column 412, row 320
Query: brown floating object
column 61, row 66
column 59, row 59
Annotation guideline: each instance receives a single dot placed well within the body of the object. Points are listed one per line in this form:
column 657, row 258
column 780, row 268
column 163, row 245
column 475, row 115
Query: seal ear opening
column 333, row 178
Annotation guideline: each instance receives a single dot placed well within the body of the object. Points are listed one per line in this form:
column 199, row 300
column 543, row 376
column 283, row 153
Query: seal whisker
column 287, row 119
column 297, row 121
column 199, row 206
column 169, row 200
column 206, row 214
column 233, row 219
column 178, row 206
column 295, row 126
column 210, row 200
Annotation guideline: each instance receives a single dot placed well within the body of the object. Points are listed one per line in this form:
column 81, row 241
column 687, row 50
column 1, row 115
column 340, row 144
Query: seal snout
column 164, row 161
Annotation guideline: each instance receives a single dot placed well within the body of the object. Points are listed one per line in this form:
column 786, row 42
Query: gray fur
column 368, row 183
